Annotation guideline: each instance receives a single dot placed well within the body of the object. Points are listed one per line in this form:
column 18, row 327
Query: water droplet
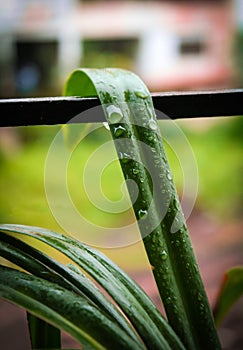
column 119, row 130
column 106, row 125
column 124, row 157
column 135, row 171
column 163, row 255
column 154, row 239
column 142, row 213
column 199, row 297
column 169, row 176
column 202, row 308
column 152, row 124
column 168, row 300
column 114, row 114
column 176, row 203
column 141, row 94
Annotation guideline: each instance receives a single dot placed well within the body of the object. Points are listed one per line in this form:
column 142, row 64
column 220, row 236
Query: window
column 35, row 65
column 192, row 46
column 109, row 52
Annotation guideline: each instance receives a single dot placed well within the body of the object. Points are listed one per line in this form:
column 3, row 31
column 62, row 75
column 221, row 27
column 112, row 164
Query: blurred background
column 171, row 45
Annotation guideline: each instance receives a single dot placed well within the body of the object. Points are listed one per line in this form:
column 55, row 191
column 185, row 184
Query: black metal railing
column 176, row 105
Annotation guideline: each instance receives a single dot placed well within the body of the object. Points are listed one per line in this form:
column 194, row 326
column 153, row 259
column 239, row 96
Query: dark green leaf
column 43, row 266
column 128, row 106
column 43, row 335
column 63, row 309
column 139, row 309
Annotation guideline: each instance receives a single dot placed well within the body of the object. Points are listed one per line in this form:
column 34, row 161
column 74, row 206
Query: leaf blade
column 42, row 334
column 45, row 267
column 122, row 288
column 183, row 292
column 62, row 309
column 231, row 290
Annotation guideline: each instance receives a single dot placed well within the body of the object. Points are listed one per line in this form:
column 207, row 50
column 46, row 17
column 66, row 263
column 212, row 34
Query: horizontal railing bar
column 62, row 110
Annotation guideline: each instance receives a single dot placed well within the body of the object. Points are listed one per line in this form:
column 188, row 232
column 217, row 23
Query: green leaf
column 42, row 334
column 230, row 291
column 63, row 309
column 137, row 306
column 128, row 107
column 43, row 266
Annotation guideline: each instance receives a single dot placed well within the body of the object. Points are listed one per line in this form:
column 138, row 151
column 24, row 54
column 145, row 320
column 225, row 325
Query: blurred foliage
column 217, row 148
column 109, row 53
column 218, row 151
column 239, row 56
column 231, row 290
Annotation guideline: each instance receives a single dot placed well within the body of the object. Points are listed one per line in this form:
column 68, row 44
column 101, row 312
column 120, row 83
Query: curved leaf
column 128, row 107
column 230, row 291
column 64, row 309
column 43, row 335
column 43, row 266
column 139, row 309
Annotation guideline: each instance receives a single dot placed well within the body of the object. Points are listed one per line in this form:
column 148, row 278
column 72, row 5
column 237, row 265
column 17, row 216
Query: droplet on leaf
column 114, row 114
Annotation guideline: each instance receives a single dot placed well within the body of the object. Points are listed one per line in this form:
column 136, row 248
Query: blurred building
column 170, row 44
column 39, row 44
